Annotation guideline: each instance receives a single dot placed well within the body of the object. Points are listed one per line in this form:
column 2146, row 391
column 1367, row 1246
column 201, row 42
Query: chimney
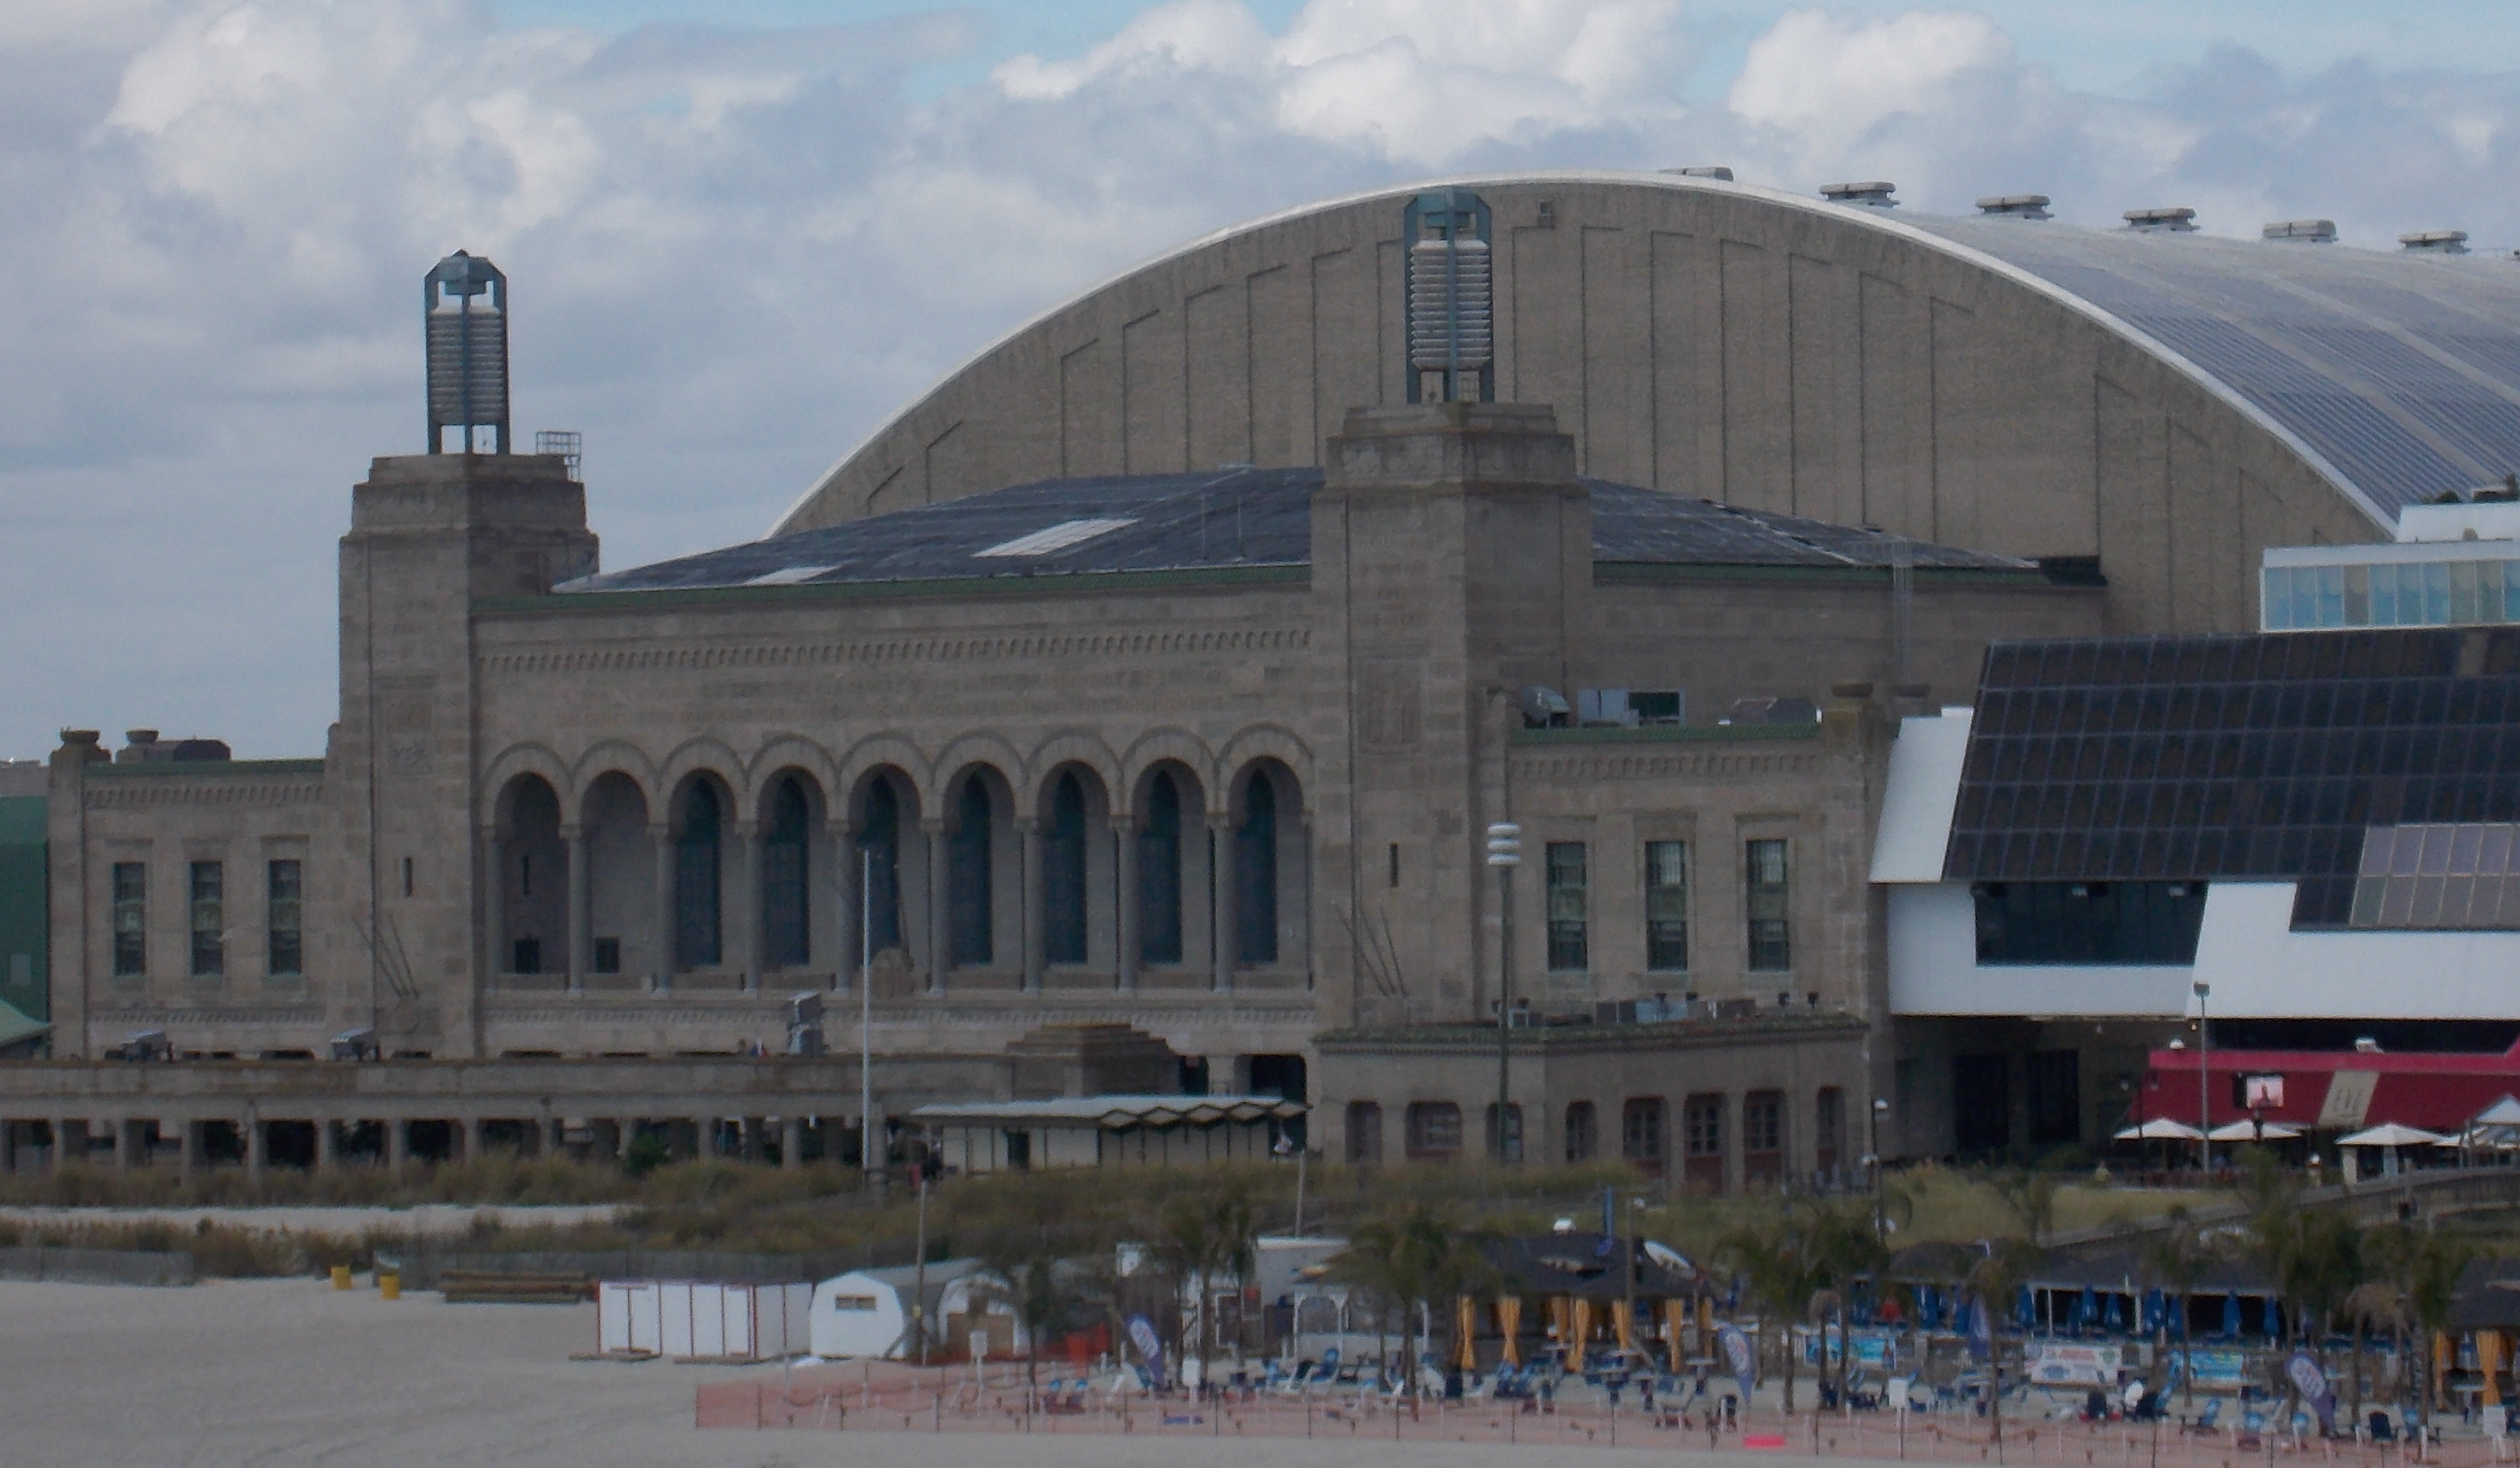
column 2015, row 206
column 2435, row 242
column 1872, row 193
column 2301, row 231
column 2168, row 219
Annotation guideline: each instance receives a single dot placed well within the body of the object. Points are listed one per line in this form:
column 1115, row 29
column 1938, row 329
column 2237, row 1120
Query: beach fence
column 122, row 1266
column 997, row 1397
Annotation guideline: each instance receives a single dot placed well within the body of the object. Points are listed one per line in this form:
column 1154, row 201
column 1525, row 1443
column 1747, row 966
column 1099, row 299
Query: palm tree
column 2374, row 1305
column 1200, row 1238
column 1413, row 1258
column 2031, row 1198
column 1993, row 1282
column 2173, row 1261
column 1786, row 1262
column 2420, row 1270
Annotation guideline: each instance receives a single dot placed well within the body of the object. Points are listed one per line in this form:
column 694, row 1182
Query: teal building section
column 24, row 984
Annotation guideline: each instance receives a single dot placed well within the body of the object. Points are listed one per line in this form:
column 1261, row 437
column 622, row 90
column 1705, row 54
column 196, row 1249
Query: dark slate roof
column 1229, row 517
column 2400, row 370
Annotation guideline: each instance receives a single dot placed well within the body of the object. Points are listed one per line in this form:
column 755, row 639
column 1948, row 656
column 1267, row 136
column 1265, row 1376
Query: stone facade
column 624, row 826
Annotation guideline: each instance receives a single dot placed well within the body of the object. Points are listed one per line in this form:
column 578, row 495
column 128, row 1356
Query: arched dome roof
column 2011, row 384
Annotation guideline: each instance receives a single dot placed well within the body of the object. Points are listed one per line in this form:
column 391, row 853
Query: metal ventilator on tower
column 1450, row 295
column 467, row 350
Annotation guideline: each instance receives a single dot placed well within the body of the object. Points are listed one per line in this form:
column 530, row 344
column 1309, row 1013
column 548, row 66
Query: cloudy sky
column 741, row 232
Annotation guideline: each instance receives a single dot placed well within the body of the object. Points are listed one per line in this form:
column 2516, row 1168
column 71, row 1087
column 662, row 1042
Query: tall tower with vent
column 464, row 304
column 1449, row 294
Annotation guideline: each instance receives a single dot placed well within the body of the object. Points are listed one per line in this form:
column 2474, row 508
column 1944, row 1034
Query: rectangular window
column 1702, row 1142
column 1763, row 1137
column 2055, row 1097
column 1581, row 1131
column 1508, row 1147
column 285, row 919
column 1828, row 1125
column 1640, row 1134
column 2358, row 596
column 1364, row 1132
column 1667, row 906
column 1770, row 906
column 1566, row 911
column 130, row 919
column 528, row 956
column 607, row 955
column 1434, row 1129
column 210, row 919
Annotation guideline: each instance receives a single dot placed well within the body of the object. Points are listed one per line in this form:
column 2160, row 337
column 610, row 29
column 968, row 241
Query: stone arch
column 785, row 751
column 1161, row 746
column 798, row 856
column 984, row 749
column 894, row 752
column 611, row 757
column 1068, row 747
column 977, row 808
column 1247, row 747
column 693, row 755
column 526, row 758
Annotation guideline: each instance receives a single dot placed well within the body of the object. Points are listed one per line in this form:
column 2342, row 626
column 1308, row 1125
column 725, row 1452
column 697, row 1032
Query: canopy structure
column 1114, row 1130
column 2253, row 1131
column 2160, row 1129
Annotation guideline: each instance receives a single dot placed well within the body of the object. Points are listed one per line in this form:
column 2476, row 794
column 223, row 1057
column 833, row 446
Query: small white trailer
column 693, row 1319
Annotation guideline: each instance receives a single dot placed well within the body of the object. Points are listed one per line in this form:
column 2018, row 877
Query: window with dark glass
column 2055, row 1097
column 285, row 918
column 1567, row 947
column 1062, row 873
column 1828, row 1126
column 1701, row 1139
column 1583, row 1126
column 1364, row 1131
column 970, row 886
column 130, row 919
column 1159, row 873
column 1981, row 1103
column 1770, row 905
column 1641, row 1132
column 787, row 892
column 698, row 938
column 1667, row 906
column 1255, row 873
column 1763, row 1122
column 2130, row 924
column 879, row 849
column 210, row 919
column 1508, row 1148
column 1434, row 1129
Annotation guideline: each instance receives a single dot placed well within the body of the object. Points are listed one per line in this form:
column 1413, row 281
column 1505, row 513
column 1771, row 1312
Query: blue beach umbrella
column 2231, row 1316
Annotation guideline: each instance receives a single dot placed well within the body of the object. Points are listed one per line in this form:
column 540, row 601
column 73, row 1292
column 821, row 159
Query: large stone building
column 1062, row 724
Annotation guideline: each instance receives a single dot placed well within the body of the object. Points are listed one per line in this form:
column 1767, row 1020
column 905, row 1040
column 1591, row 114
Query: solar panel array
column 2403, row 371
column 1226, row 517
column 2264, row 758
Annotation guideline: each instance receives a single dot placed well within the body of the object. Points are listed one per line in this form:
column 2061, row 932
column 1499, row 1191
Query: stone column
column 397, row 1144
column 129, row 1136
column 189, row 1154
column 257, row 1151
column 661, row 838
column 847, row 883
column 604, row 1139
column 553, row 1137
column 940, row 949
column 474, row 1142
column 581, row 908
column 1124, row 875
column 328, row 1146
column 792, row 1143
column 1223, row 932
column 1035, row 944
column 62, row 1141
column 744, row 931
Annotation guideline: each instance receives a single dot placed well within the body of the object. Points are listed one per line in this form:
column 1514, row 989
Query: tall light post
column 866, row 1012
column 1881, row 1109
column 1505, row 853
column 2204, row 1092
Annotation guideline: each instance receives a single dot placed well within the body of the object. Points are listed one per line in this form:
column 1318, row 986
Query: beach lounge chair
column 2208, row 1420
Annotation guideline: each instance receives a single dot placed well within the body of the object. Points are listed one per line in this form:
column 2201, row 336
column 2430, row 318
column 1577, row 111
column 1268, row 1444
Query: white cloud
column 734, row 252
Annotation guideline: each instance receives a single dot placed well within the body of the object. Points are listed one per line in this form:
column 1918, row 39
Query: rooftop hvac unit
column 467, row 350
column 1450, row 296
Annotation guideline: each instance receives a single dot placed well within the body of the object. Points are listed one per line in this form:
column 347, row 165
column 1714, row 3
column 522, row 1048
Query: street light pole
column 1505, row 853
column 1881, row 1109
column 866, row 1012
column 2204, row 1093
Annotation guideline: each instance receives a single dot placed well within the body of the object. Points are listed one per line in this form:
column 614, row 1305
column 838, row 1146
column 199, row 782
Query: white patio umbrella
column 2159, row 1130
column 2251, row 1131
column 2392, row 1134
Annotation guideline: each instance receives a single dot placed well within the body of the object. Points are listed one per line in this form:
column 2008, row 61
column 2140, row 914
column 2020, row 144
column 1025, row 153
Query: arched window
column 1255, row 874
column 1062, row 873
column 879, row 849
column 1159, row 883
column 786, row 925
column 696, row 930
column 968, row 878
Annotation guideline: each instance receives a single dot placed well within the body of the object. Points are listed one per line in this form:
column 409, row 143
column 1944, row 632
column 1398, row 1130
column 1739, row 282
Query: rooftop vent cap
column 1873, row 193
column 2301, row 231
column 2435, row 240
column 2015, row 206
column 2167, row 220
column 1704, row 171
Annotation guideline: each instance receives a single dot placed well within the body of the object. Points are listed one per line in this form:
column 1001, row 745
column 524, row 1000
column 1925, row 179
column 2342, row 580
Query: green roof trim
column 22, row 820
column 1086, row 584
column 1670, row 734
column 168, row 768
column 1877, row 575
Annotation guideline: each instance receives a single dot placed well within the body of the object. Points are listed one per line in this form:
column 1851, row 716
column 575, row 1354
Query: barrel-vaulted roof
column 1235, row 518
column 2393, row 376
